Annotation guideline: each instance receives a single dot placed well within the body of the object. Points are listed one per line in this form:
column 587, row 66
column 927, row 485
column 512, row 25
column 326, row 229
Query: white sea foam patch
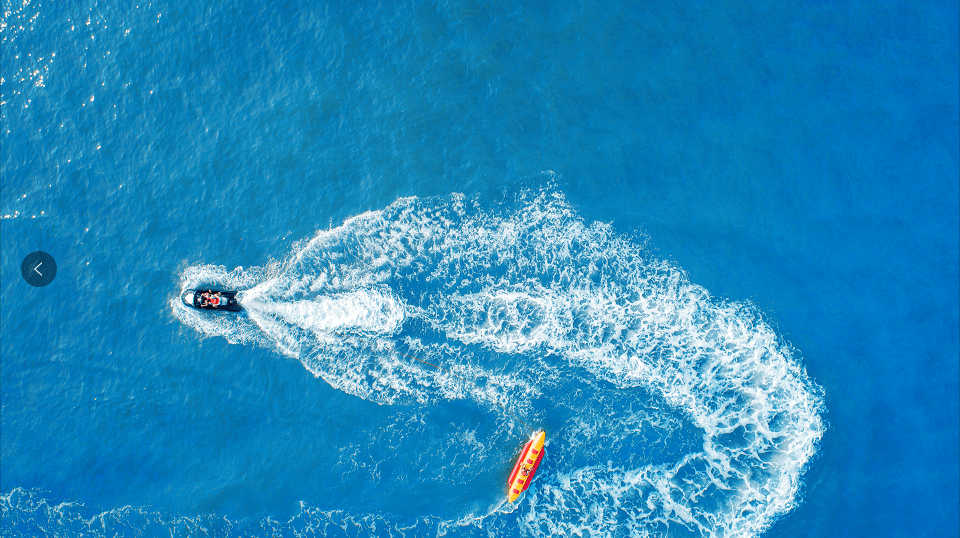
column 597, row 299
column 560, row 302
column 27, row 513
column 367, row 311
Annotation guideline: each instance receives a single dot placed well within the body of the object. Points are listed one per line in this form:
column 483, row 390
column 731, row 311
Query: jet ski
column 211, row 300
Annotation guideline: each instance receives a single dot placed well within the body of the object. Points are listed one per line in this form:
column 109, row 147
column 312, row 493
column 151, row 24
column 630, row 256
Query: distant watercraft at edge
column 211, row 300
column 526, row 466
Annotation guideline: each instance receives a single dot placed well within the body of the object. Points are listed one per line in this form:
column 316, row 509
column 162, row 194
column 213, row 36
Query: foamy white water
column 572, row 303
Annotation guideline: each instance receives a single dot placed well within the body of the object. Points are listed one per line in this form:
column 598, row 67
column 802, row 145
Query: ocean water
column 713, row 249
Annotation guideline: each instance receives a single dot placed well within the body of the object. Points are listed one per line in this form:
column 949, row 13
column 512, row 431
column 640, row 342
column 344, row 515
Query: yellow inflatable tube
column 526, row 466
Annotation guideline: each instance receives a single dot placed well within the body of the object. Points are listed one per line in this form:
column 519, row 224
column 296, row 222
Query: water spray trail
column 539, row 304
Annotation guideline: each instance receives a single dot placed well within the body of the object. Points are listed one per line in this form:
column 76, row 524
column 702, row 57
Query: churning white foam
column 373, row 312
column 531, row 279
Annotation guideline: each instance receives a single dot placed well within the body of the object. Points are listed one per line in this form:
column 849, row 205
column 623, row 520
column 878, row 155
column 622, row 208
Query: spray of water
column 531, row 299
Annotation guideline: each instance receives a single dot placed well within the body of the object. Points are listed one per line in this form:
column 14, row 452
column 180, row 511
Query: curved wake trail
column 536, row 303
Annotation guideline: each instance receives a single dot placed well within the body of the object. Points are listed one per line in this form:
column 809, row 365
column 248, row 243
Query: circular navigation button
column 38, row 269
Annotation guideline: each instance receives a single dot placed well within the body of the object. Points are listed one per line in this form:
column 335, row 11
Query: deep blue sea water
column 712, row 248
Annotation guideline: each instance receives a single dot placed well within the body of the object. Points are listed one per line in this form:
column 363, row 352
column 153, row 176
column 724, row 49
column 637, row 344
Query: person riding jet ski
column 212, row 300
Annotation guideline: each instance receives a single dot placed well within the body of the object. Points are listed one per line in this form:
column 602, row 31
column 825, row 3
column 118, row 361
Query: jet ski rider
column 210, row 299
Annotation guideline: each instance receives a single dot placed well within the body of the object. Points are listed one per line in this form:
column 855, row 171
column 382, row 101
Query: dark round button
column 38, row 269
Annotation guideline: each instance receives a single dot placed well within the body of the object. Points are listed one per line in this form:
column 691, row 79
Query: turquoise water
column 712, row 249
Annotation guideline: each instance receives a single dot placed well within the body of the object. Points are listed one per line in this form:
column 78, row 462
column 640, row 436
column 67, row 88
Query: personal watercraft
column 211, row 300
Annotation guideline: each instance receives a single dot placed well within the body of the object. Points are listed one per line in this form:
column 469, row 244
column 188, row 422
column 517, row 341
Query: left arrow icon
column 30, row 269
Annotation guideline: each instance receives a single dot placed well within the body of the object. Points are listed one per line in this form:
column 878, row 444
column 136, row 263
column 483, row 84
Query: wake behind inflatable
column 526, row 466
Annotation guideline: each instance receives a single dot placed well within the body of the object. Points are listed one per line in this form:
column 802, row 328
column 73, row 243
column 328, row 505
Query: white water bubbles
column 367, row 311
column 672, row 412
column 596, row 298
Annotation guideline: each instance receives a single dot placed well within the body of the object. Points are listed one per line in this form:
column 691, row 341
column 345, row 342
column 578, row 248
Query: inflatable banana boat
column 526, row 466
